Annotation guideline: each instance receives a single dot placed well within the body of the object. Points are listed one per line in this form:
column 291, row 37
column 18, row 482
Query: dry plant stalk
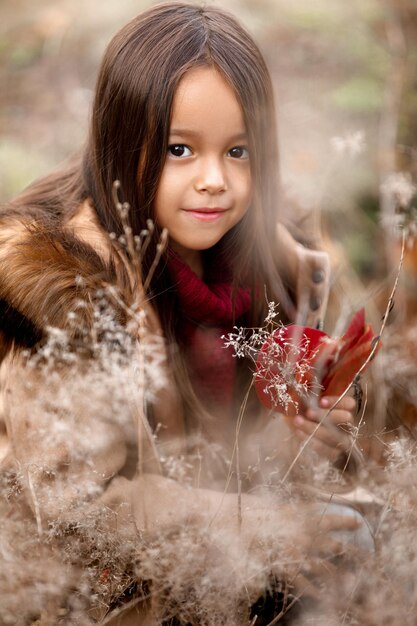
column 388, row 309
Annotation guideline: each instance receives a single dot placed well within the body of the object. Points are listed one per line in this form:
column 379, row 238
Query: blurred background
column 346, row 84
column 345, row 75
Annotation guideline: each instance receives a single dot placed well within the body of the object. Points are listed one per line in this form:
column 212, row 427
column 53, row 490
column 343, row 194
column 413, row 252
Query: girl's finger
column 335, row 418
column 330, row 436
column 327, row 522
column 323, row 450
column 347, row 403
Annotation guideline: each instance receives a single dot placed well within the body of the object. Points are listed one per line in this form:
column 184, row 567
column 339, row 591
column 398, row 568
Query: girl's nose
column 211, row 177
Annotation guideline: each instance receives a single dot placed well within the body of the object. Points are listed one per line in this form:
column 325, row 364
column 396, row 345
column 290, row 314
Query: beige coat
column 77, row 441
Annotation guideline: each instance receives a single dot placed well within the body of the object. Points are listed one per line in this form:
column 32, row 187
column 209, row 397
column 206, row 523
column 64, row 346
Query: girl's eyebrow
column 185, row 132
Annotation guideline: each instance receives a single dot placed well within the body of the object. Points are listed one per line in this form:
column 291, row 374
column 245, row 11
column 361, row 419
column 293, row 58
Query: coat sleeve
column 72, row 377
column 75, row 381
column 309, row 272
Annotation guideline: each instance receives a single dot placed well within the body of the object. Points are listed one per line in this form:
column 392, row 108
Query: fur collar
column 46, row 267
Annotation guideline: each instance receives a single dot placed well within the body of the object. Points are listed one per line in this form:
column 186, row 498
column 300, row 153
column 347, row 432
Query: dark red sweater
column 207, row 311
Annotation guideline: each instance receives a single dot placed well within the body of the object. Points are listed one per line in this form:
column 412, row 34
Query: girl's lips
column 206, row 214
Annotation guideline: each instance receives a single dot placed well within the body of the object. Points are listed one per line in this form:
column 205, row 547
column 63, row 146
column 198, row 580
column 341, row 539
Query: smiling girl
column 206, row 184
column 184, row 119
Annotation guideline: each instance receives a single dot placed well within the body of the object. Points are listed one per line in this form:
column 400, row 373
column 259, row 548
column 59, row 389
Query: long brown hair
column 129, row 132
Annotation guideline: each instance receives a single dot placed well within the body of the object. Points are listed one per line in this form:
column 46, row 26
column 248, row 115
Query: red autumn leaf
column 355, row 329
column 356, row 346
column 285, row 368
column 298, row 363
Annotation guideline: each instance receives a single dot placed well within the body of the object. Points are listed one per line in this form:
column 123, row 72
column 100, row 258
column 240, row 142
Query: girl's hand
column 332, row 437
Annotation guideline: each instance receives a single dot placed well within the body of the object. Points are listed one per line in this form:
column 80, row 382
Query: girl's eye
column 239, row 152
column 179, row 150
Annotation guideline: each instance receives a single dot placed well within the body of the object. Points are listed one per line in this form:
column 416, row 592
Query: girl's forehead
column 204, row 98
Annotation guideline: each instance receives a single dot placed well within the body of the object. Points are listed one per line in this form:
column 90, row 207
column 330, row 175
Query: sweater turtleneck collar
column 208, row 310
column 209, row 302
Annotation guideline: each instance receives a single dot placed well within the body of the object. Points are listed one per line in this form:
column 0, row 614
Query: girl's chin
column 193, row 246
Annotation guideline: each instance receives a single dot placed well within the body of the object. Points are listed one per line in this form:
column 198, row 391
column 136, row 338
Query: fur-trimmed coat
column 64, row 452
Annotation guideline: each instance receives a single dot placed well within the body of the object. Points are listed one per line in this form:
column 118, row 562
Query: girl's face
column 206, row 186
